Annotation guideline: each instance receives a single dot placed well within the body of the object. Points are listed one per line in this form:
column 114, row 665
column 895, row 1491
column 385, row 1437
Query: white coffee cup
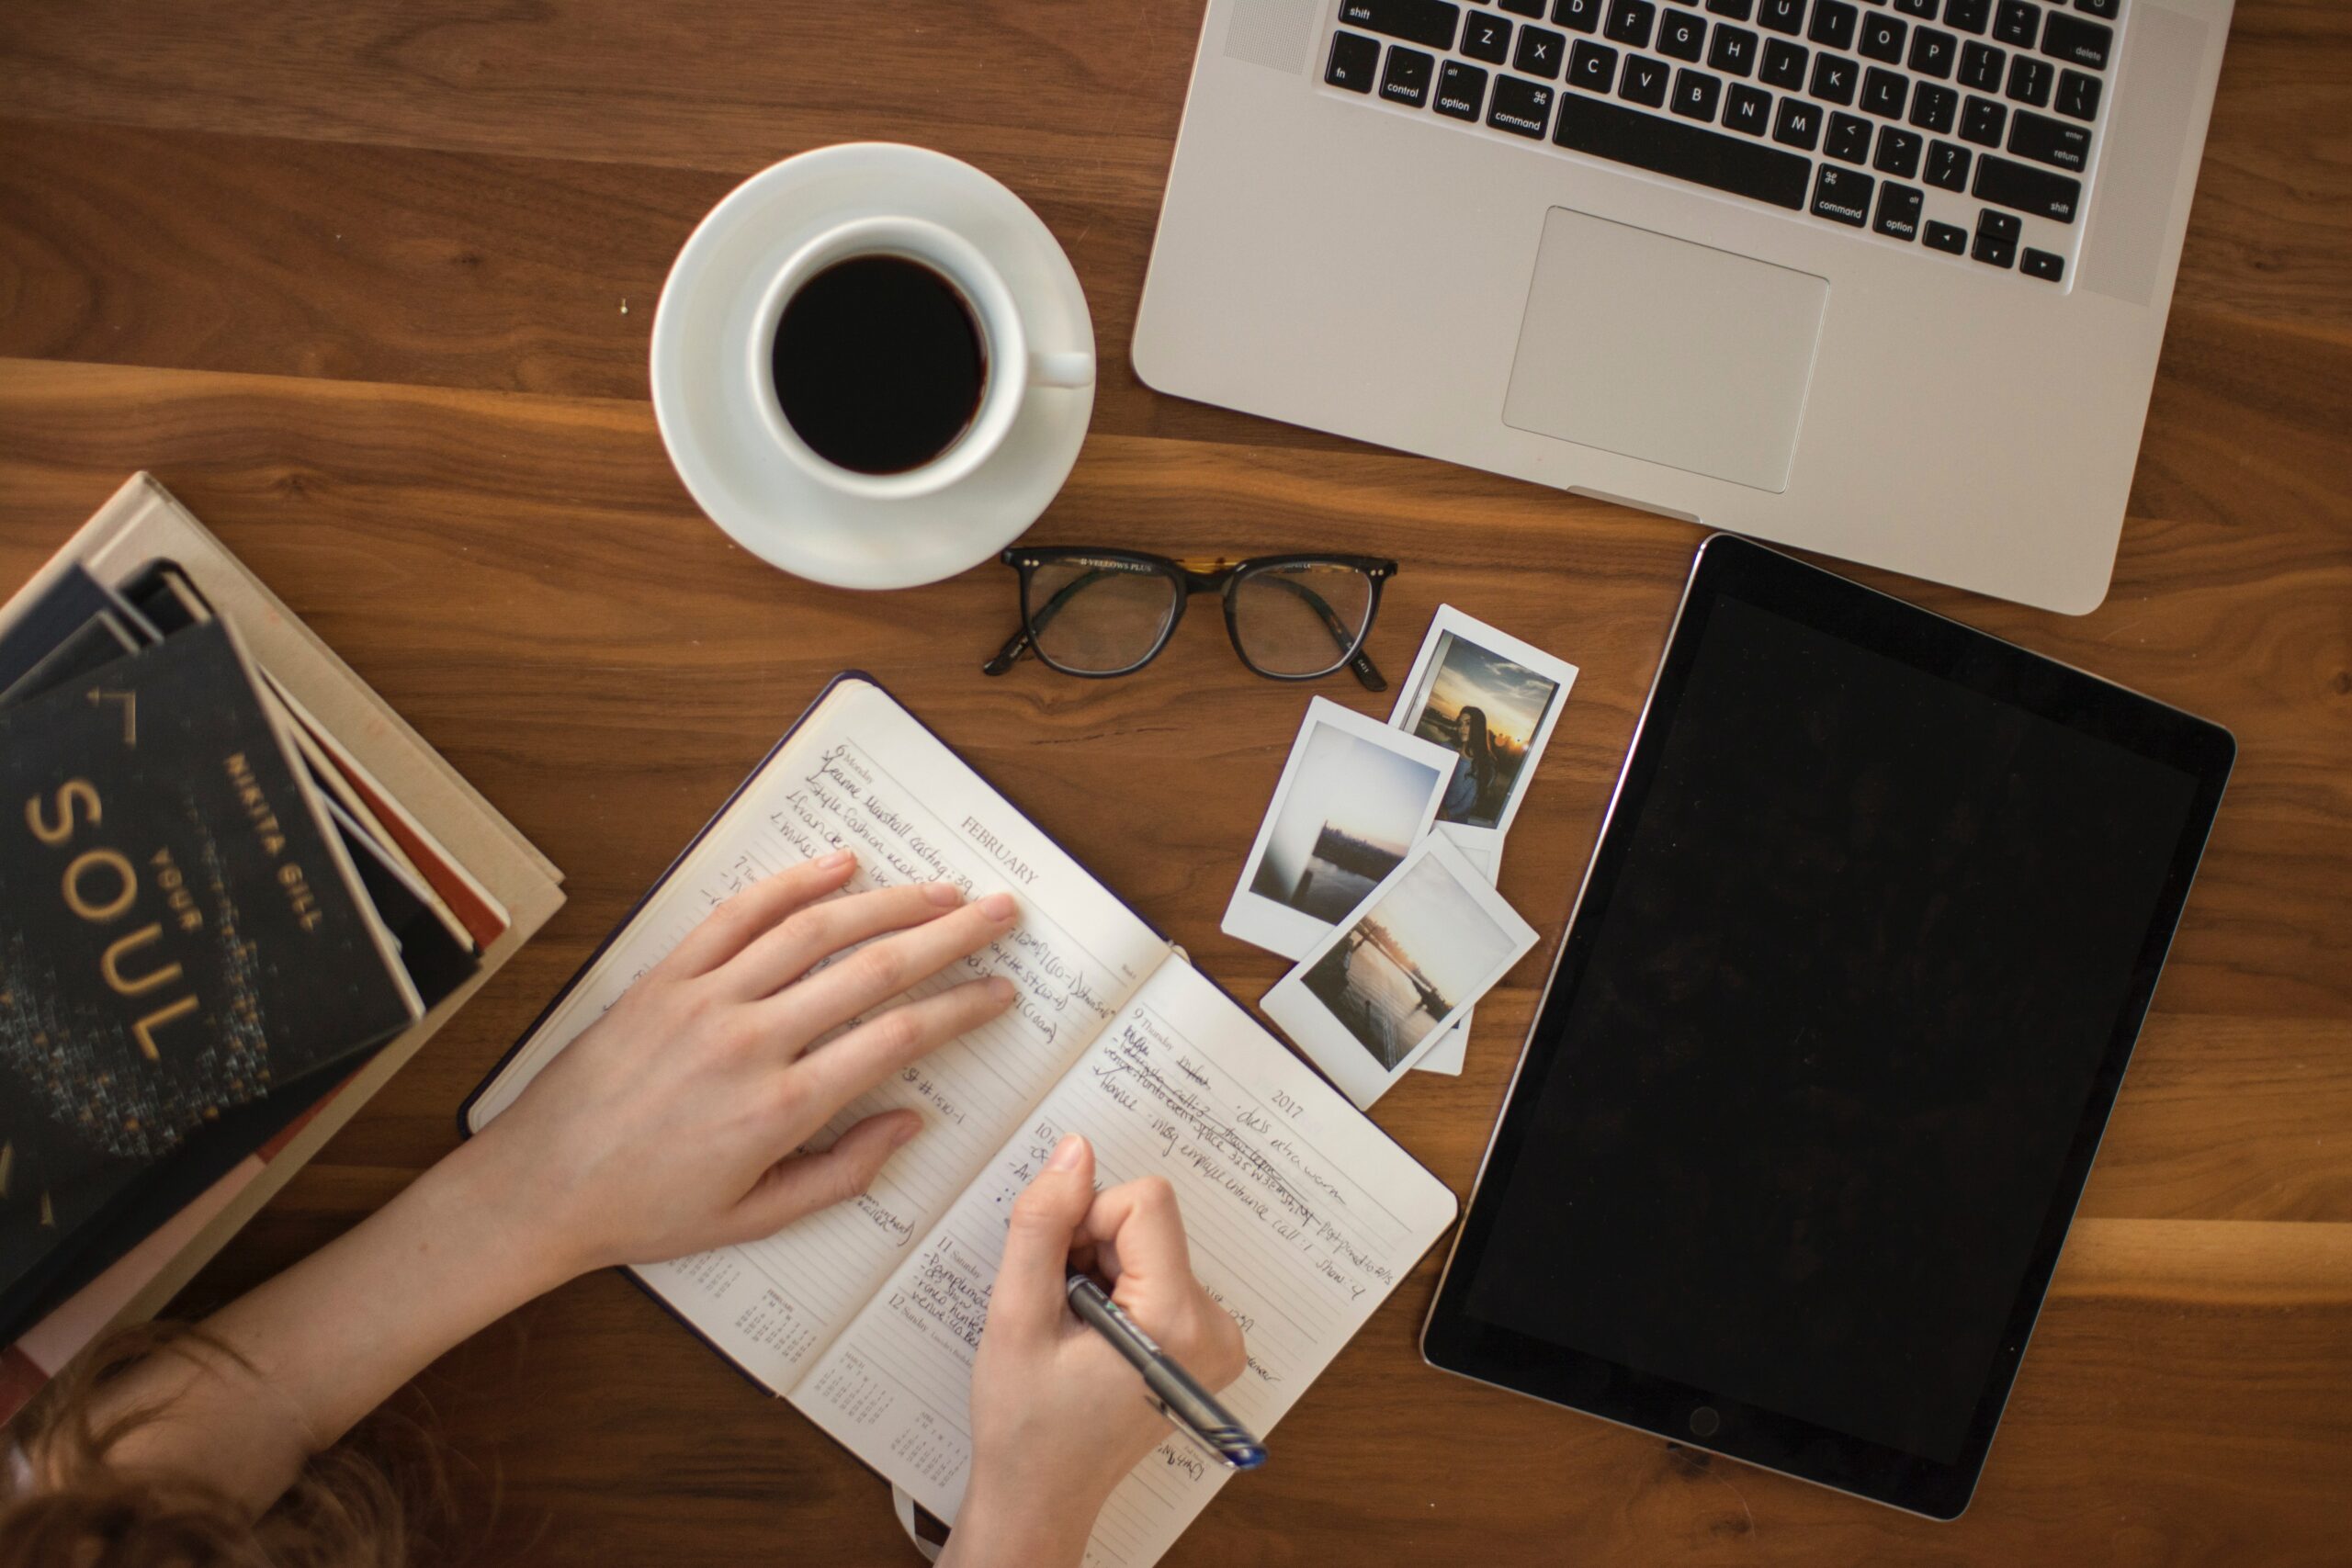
column 1011, row 366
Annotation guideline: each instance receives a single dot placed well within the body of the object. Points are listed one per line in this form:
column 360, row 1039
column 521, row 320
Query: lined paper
column 861, row 773
column 1302, row 1217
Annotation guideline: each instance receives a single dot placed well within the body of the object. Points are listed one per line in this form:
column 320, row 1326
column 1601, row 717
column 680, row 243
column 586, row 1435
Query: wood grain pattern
column 349, row 279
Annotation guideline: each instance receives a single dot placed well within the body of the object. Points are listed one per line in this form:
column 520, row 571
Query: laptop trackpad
column 1657, row 348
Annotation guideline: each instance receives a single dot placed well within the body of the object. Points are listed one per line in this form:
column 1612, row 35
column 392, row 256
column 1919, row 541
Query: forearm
column 326, row 1341
column 1000, row 1528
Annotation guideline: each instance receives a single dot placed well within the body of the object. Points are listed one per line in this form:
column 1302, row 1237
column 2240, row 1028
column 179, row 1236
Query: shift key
column 2023, row 187
column 1427, row 22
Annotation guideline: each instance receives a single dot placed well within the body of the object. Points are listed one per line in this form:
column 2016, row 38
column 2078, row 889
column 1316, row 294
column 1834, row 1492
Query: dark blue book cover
column 178, row 930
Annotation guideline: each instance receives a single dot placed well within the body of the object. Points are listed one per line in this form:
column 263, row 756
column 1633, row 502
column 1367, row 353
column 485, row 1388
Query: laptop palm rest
column 1653, row 347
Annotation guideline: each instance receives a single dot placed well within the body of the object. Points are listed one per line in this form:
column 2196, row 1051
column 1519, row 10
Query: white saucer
column 723, row 451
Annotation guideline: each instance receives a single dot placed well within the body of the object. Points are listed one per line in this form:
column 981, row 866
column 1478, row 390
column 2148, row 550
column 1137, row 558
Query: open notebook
column 1302, row 1215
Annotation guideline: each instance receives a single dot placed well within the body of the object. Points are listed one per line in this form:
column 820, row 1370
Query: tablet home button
column 1704, row 1422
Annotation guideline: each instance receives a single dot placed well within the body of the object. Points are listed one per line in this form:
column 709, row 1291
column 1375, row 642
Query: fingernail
column 837, row 859
column 905, row 1132
column 946, row 895
column 1065, row 1154
column 997, row 905
column 1001, row 991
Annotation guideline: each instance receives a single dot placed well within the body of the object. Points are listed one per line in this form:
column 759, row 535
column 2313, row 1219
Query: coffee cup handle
column 1073, row 369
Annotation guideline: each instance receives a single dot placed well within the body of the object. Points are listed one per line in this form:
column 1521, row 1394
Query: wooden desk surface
column 368, row 283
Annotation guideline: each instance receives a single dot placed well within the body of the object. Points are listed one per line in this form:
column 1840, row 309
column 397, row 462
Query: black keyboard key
column 1983, row 122
column 1833, row 78
column 1924, row 9
column 1737, row 10
column 1898, row 151
column 1681, row 35
column 1685, row 152
column 1842, row 194
column 1748, row 110
column 1540, row 52
column 2027, row 188
column 2077, row 94
column 1898, row 210
column 1530, row 8
column 1696, row 94
column 1934, row 106
column 2043, row 265
column 1798, row 125
column 1781, row 15
column 1486, row 38
column 1629, row 22
column 1946, row 165
column 1847, row 139
column 1784, row 65
column 1833, row 24
column 2029, row 79
column 1996, row 243
column 1968, row 16
column 1426, row 22
column 2047, row 141
column 1460, row 90
column 1354, row 59
column 1945, row 237
column 1933, row 51
column 1980, row 67
column 1645, row 80
column 1519, row 107
column 2104, row 8
column 1406, row 76
column 1578, row 15
column 1884, row 92
column 1592, row 66
column 2017, row 22
column 2076, row 42
column 1733, row 51
column 1883, row 38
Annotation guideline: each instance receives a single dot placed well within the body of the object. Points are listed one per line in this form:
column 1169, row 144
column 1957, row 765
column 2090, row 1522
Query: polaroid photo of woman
column 1491, row 700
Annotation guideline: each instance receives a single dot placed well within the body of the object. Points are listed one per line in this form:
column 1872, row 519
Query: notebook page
column 861, row 773
column 1302, row 1217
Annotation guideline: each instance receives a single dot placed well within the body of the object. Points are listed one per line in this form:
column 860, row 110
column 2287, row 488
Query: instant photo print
column 1389, row 981
column 1354, row 798
column 1491, row 701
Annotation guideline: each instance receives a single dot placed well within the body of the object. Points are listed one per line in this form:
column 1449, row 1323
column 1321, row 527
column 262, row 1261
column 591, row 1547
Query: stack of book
column 236, row 893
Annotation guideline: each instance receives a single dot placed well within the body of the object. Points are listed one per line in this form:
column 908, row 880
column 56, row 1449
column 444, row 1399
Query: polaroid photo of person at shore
column 1392, row 978
column 1354, row 797
column 1491, row 700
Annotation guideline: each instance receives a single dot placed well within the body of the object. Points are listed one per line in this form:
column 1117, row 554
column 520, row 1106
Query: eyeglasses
column 1104, row 613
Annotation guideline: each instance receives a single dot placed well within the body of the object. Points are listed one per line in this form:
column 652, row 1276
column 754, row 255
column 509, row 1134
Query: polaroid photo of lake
column 1491, row 700
column 1354, row 797
column 1392, row 978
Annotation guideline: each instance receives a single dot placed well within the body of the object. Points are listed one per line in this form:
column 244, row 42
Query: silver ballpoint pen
column 1176, row 1391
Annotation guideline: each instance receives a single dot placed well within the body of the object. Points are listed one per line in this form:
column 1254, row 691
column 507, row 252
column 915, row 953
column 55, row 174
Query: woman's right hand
column 1058, row 1417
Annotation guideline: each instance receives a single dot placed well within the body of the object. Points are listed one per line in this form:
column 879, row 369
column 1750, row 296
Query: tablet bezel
column 1728, row 567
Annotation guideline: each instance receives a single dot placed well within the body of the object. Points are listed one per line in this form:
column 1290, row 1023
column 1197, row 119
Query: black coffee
column 878, row 364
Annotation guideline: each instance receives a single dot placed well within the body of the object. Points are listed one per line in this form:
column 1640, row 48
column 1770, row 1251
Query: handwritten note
column 1301, row 1216
column 862, row 774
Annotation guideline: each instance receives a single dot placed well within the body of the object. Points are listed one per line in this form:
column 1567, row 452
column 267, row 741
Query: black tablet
column 1874, row 916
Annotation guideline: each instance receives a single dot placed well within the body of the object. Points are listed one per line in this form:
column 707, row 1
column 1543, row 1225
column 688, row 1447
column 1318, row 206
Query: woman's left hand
column 671, row 1125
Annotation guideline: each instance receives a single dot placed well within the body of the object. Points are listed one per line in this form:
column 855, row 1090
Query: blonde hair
column 351, row 1507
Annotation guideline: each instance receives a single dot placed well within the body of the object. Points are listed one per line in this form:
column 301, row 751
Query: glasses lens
column 1098, row 616
column 1302, row 620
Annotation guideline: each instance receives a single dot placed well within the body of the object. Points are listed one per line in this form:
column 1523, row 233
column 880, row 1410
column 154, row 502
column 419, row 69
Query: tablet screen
column 1796, row 1126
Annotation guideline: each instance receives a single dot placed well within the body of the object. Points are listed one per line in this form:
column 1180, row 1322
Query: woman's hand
column 1057, row 1416
column 671, row 1125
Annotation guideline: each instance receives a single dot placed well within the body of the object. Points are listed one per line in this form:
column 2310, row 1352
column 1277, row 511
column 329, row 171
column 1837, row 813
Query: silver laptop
column 1885, row 279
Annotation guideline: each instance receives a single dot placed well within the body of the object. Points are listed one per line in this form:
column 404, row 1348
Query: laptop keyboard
column 1966, row 127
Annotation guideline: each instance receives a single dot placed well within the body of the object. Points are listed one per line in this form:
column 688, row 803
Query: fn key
column 1355, row 59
